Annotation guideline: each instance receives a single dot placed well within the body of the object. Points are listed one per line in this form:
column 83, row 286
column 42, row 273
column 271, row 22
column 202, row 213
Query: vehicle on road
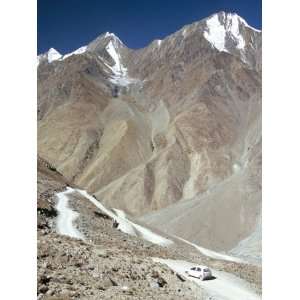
column 201, row 272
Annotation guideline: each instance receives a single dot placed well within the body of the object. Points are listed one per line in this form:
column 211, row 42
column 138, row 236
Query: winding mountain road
column 224, row 287
column 66, row 216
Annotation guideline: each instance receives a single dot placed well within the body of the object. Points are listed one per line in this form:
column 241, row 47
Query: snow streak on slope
column 66, row 216
column 224, row 287
column 119, row 72
column 126, row 225
column 117, row 68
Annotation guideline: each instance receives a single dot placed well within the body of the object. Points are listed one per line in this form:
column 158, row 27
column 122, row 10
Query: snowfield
column 224, row 287
column 66, row 216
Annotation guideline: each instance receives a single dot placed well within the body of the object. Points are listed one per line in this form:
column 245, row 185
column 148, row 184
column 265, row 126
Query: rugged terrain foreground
column 104, row 262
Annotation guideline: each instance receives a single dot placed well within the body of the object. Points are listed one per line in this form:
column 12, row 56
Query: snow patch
column 66, row 216
column 53, row 55
column 76, row 52
column 112, row 35
column 217, row 32
column 108, row 34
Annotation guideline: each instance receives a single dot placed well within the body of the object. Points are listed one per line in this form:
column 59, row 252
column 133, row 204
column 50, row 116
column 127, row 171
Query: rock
column 69, row 281
column 114, row 282
column 43, row 289
column 78, row 264
column 105, row 284
column 44, row 279
column 101, row 253
column 161, row 282
column 155, row 274
column 180, row 277
column 115, row 269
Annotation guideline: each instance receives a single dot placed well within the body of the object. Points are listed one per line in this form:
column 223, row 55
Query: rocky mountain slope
column 170, row 133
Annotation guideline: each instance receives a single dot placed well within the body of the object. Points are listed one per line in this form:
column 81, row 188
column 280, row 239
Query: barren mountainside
column 170, row 134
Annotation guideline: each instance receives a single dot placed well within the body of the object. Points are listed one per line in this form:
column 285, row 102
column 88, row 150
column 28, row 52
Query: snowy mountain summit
column 227, row 32
column 224, row 28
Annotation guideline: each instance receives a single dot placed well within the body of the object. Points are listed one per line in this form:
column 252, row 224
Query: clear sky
column 68, row 24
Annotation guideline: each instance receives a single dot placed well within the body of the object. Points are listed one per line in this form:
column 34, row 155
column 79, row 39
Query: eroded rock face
column 151, row 128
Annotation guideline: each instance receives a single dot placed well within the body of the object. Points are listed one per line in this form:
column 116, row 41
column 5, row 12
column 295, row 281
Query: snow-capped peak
column 49, row 56
column 109, row 34
column 223, row 26
column 112, row 36
column 53, row 55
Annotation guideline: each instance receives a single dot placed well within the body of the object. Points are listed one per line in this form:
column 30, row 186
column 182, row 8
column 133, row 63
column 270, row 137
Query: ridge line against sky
column 69, row 24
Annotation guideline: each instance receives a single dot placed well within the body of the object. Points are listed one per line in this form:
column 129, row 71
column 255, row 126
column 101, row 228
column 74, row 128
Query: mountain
column 170, row 134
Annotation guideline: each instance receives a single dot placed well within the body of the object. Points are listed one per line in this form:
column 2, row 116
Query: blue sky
column 68, row 24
